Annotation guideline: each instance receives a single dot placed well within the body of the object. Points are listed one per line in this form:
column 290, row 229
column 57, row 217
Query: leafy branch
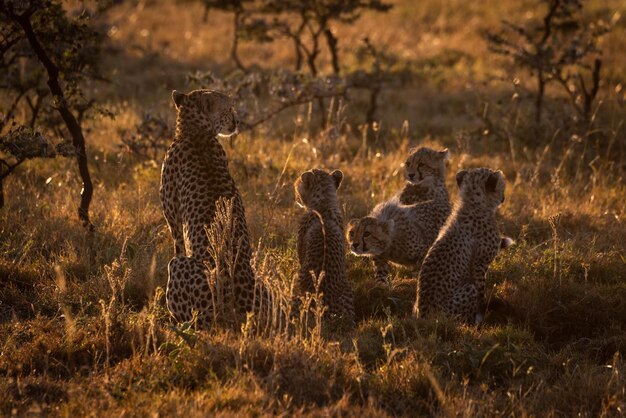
column 23, row 143
column 62, row 50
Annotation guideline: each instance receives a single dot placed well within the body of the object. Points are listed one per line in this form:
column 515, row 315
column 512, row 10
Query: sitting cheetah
column 397, row 231
column 452, row 277
column 194, row 176
column 422, row 170
column 321, row 247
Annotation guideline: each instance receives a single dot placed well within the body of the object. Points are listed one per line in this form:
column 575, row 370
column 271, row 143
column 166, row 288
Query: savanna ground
column 84, row 329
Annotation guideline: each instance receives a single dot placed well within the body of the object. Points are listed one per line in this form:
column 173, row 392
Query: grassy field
column 83, row 325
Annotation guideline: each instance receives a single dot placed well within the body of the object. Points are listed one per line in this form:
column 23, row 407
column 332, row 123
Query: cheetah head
column 425, row 164
column 482, row 186
column 317, row 189
column 205, row 111
column 369, row 236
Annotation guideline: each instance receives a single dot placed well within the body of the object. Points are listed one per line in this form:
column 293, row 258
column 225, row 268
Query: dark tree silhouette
column 559, row 49
column 239, row 11
column 63, row 51
column 308, row 23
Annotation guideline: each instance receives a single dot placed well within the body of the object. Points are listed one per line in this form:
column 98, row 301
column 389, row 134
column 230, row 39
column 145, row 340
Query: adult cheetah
column 320, row 245
column 194, row 176
column 452, row 277
column 401, row 230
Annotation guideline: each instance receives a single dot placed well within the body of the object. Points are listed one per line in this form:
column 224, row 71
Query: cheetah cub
column 452, row 277
column 401, row 230
column 321, row 247
column 423, row 166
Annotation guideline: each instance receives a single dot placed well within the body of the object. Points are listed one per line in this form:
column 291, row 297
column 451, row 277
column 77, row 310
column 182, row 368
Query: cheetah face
column 227, row 124
column 482, row 186
column 425, row 164
column 316, row 189
column 206, row 111
column 369, row 236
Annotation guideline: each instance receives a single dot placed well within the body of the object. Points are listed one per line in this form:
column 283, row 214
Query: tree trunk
column 233, row 51
column 311, row 56
column 297, row 43
column 322, row 106
column 78, row 140
column 590, row 96
column 331, row 40
column 205, row 16
column 310, row 59
column 373, row 105
column 541, row 83
column 298, row 55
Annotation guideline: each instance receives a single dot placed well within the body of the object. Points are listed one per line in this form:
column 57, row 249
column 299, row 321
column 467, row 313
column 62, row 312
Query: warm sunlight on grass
column 84, row 329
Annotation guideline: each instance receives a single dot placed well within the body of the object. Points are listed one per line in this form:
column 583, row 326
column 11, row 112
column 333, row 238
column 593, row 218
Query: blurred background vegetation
column 534, row 88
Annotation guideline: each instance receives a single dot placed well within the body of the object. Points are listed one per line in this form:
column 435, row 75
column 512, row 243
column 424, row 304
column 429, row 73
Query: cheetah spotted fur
column 321, row 245
column 401, row 230
column 452, row 278
column 194, row 176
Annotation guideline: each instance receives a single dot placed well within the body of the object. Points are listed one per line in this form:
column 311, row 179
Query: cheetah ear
column 337, row 177
column 459, row 177
column 211, row 98
column 445, row 154
column 179, row 98
column 492, row 182
column 351, row 223
column 307, row 177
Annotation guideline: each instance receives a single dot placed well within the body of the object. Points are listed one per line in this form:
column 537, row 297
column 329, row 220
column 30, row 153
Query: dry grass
column 83, row 326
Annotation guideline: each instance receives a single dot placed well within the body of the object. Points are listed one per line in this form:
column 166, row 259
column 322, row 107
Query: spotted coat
column 401, row 230
column 194, row 176
column 321, row 245
column 452, row 278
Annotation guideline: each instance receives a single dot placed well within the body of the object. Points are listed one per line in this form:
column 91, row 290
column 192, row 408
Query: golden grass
column 72, row 343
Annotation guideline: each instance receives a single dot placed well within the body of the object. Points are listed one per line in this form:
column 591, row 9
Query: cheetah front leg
column 382, row 278
column 465, row 304
column 478, row 279
column 176, row 229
